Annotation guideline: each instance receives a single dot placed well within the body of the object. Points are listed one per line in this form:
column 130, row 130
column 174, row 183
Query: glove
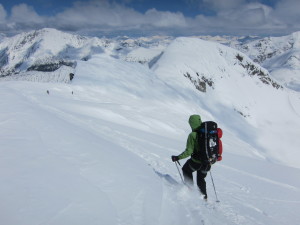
column 174, row 158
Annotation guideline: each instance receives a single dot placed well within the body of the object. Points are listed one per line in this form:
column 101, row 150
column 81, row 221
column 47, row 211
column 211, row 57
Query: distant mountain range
column 31, row 54
column 50, row 50
column 280, row 55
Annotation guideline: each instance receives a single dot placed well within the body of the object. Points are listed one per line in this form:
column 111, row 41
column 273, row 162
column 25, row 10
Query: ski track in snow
column 191, row 214
column 292, row 104
column 262, row 178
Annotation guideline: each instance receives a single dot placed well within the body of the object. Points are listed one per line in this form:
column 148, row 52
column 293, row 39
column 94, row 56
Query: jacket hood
column 195, row 122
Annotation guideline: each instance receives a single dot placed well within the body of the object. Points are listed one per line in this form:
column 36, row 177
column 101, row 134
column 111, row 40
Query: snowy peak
column 269, row 47
column 48, row 50
column 44, row 50
column 206, row 63
column 280, row 55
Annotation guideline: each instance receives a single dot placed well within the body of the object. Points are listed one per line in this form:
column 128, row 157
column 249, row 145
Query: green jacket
column 191, row 144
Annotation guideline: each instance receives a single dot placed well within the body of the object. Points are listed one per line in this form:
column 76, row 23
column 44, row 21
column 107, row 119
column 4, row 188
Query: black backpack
column 209, row 143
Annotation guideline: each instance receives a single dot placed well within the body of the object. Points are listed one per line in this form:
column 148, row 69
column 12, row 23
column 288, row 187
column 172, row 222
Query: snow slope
column 97, row 150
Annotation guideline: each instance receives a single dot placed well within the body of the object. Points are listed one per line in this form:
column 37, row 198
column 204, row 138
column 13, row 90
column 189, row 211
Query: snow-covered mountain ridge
column 280, row 55
column 50, row 50
column 263, row 49
column 45, row 50
column 212, row 60
column 29, row 55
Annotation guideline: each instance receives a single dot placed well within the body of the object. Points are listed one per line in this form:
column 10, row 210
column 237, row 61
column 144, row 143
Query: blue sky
column 187, row 7
column 152, row 17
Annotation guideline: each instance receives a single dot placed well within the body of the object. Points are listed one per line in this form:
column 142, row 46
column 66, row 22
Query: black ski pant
column 189, row 167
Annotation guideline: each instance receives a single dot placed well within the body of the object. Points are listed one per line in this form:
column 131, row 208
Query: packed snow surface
column 98, row 150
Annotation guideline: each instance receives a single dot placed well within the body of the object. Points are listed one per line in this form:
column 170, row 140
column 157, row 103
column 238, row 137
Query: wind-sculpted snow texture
column 97, row 150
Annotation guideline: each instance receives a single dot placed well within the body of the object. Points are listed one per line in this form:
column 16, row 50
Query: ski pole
column 179, row 170
column 212, row 180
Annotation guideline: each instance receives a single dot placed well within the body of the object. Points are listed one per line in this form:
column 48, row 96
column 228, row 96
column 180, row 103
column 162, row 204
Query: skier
column 193, row 164
column 71, row 75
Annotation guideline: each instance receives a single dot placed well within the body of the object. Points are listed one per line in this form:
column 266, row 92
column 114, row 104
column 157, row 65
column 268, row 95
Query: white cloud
column 101, row 13
column 220, row 5
column 288, row 12
column 164, row 19
column 253, row 18
column 3, row 14
column 249, row 15
column 24, row 14
column 231, row 16
column 98, row 13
